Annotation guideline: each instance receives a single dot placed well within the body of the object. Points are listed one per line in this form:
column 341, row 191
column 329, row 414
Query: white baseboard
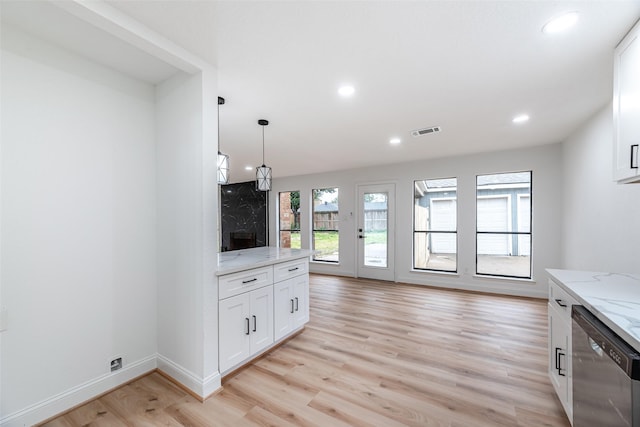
column 82, row 393
column 201, row 387
column 77, row 395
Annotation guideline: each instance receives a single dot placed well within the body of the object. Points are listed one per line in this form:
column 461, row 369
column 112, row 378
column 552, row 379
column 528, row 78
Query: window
column 503, row 224
column 435, row 225
column 325, row 225
column 289, row 219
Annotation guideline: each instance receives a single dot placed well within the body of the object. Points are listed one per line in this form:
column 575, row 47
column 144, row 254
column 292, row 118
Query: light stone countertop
column 245, row 259
column 614, row 298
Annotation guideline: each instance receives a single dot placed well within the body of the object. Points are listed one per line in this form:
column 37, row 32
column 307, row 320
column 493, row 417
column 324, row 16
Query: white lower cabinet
column 254, row 313
column 291, row 305
column 560, row 370
column 246, row 325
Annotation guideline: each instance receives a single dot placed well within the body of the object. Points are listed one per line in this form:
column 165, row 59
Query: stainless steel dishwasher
column 606, row 390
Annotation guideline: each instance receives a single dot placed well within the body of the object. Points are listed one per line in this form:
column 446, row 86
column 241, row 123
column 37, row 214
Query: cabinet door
column 626, row 109
column 560, row 358
column 234, row 331
column 261, row 318
column 283, row 306
column 301, row 300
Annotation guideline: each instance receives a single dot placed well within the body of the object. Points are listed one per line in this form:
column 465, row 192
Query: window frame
column 333, row 230
column 429, row 231
column 511, row 233
column 291, row 230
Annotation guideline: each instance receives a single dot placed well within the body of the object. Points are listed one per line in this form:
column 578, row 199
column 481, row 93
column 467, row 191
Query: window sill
column 324, row 262
column 503, row 278
column 439, row 273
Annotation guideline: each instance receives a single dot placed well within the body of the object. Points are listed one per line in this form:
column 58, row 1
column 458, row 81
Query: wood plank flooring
column 373, row 354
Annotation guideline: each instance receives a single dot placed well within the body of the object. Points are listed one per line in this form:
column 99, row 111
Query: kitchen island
column 263, row 299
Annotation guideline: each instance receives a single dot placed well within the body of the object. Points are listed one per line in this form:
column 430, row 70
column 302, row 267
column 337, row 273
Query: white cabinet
column 291, row 296
column 255, row 313
column 290, row 305
column 626, row 108
column 559, row 315
column 246, row 319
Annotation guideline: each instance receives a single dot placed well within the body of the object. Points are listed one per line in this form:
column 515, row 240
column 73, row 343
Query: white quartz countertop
column 614, row 298
column 244, row 259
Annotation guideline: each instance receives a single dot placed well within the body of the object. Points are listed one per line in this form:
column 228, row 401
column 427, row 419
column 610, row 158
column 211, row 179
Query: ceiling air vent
column 419, row 132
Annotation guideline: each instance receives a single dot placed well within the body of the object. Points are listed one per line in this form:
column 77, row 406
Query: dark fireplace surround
column 243, row 212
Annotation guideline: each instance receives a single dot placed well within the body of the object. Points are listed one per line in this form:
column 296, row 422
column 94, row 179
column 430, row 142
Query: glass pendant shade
column 263, row 178
column 223, row 168
column 263, row 173
column 223, row 159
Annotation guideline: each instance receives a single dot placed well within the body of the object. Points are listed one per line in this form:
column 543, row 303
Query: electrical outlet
column 116, row 364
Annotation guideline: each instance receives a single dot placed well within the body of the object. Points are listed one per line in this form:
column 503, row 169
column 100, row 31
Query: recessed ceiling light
column 560, row 23
column 395, row 141
column 346, row 90
column 248, row 168
column 521, row 118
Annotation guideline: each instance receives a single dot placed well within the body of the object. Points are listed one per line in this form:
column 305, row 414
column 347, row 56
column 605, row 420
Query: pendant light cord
column 263, row 145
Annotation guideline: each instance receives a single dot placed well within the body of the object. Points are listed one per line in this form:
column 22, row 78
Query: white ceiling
column 468, row 67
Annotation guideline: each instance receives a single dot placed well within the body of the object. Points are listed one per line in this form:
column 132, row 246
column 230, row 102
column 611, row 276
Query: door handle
column 255, row 323
column 292, row 305
column 559, row 354
column 560, row 303
column 248, row 332
column 634, row 156
column 360, row 236
column 296, row 303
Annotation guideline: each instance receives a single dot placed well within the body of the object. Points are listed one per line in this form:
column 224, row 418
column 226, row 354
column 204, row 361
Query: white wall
column 544, row 161
column 187, row 218
column 601, row 219
column 78, row 212
column 103, row 176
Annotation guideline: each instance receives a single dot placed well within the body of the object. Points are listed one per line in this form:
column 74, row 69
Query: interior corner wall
column 78, row 228
column 544, row 161
column 186, row 228
column 601, row 219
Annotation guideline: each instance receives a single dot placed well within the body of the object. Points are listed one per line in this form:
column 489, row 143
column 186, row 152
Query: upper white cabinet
column 626, row 108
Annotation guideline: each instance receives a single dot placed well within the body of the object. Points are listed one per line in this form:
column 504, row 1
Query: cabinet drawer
column 561, row 300
column 244, row 281
column 290, row 269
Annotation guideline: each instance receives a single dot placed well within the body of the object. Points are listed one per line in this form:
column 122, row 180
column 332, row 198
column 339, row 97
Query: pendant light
column 223, row 159
column 263, row 173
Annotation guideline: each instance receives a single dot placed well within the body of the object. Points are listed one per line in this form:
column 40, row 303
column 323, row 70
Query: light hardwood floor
column 374, row 353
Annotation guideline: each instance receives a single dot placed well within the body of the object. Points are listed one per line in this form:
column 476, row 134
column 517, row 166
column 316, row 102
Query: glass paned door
column 376, row 231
